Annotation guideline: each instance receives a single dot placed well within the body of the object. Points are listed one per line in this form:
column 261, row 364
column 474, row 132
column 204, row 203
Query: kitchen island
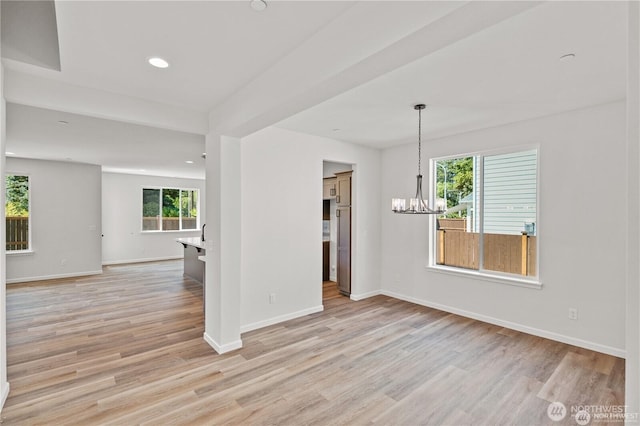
column 194, row 248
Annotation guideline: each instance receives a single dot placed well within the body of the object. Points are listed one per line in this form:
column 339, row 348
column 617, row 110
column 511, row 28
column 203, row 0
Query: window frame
column 482, row 274
column 30, row 233
column 161, row 189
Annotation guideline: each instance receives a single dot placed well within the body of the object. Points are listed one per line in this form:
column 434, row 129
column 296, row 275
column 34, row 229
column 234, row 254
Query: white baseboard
column 356, row 297
column 514, row 326
column 221, row 349
column 4, row 395
column 53, row 277
column 143, row 260
column 280, row 318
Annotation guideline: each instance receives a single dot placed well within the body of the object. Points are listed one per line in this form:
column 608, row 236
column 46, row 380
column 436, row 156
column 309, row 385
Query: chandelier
column 417, row 205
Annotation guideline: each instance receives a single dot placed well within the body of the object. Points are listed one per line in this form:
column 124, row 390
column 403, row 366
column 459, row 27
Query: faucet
column 202, row 235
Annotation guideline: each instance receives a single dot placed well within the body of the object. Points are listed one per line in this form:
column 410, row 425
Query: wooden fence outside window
column 513, row 254
column 168, row 223
column 17, row 228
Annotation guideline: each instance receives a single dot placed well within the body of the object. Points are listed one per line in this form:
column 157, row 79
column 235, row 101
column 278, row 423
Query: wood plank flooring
column 330, row 290
column 126, row 348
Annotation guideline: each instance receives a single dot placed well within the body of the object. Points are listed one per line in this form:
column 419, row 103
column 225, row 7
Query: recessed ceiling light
column 189, row 162
column 63, row 122
column 568, row 57
column 336, row 130
column 258, row 5
column 158, row 62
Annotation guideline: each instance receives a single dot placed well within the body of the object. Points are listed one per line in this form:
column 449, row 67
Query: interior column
column 222, row 234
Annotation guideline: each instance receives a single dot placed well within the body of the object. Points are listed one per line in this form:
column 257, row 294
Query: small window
column 17, row 209
column 169, row 209
column 491, row 219
column 189, row 206
column 151, row 210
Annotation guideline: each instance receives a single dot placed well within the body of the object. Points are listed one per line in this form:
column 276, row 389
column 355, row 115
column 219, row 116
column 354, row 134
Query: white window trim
column 178, row 231
column 484, row 274
column 19, row 252
column 162, row 231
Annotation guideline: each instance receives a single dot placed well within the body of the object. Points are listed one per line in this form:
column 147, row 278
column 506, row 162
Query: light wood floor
column 126, row 348
column 330, row 291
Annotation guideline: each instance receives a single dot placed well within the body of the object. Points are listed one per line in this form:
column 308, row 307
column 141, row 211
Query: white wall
column 582, row 241
column 65, row 214
column 124, row 240
column 632, row 366
column 4, row 385
column 281, row 222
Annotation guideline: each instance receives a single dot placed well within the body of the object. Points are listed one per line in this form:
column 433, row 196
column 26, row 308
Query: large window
column 17, row 213
column 491, row 221
column 169, row 209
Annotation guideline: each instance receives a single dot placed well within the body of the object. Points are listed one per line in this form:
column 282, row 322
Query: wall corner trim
column 140, row 260
column 609, row 350
column 54, row 276
column 281, row 318
column 221, row 349
column 5, row 394
column 361, row 296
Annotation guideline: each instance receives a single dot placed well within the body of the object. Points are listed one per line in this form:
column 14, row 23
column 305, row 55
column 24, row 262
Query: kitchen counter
column 192, row 241
column 194, row 249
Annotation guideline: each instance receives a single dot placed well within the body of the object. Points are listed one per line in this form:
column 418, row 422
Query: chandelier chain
column 419, row 141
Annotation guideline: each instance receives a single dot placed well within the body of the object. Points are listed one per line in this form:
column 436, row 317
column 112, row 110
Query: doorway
column 336, row 229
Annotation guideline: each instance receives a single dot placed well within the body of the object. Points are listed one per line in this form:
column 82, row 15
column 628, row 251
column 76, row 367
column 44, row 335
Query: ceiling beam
column 30, row 33
column 31, row 90
column 321, row 74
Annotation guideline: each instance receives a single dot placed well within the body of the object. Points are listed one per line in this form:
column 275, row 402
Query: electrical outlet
column 272, row 298
column 573, row 313
column 63, row 262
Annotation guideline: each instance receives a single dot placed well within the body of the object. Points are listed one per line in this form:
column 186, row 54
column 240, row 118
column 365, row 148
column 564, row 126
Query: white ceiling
column 214, row 47
column 506, row 73
column 117, row 146
column 496, row 71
